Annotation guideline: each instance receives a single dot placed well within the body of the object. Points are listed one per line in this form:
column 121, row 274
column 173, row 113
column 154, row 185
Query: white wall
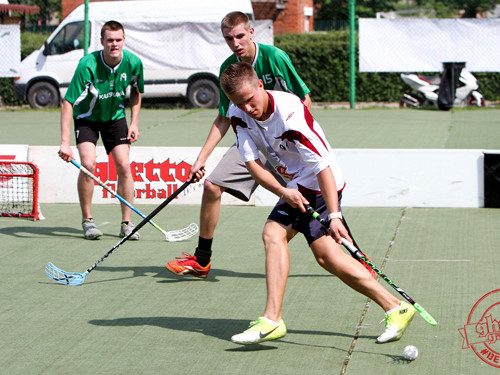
column 10, row 45
column 375, row 177
column 419, row 45
column 415, row 178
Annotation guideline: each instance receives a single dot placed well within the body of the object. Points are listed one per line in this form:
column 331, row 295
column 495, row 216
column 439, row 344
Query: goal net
column 19, row 190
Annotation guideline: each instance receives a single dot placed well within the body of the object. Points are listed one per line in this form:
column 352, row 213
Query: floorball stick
column 73, row 278
column 360, row 256
column 172, row 236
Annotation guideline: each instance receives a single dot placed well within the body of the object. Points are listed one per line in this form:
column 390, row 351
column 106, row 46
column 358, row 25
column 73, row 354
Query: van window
column 69, row 38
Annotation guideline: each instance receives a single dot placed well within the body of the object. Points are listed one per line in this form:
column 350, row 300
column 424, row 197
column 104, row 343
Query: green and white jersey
column 98, row 91
column 274, row 68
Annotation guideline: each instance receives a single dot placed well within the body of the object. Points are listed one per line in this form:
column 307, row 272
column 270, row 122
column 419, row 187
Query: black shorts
column 304, row 223
column 113, row 133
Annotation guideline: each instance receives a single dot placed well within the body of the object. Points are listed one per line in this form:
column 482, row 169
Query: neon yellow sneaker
column 397, row 322
column 259, row 331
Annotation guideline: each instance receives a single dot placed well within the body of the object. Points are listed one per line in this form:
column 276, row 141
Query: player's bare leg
column 125, row 186
column 85, row 187
column 275, row 237
column 210, row 208
column 330, row 256
column 399, row 314
column 85, row 184
column 270, row 326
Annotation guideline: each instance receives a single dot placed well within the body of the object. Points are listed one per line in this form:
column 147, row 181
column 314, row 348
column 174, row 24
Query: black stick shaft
column 143, row 222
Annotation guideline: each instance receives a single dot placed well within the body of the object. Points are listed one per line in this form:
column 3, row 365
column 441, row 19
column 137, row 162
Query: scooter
column 427, row 90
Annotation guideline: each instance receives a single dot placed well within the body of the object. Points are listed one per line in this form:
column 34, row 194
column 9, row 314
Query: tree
column 339, row 9
column 472, row 7
column 331, row 9
column 47, row 7
column 369, row 8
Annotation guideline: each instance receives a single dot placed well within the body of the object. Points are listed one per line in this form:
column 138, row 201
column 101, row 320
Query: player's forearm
column 66, row 119
column 307, row 101
column 135, row 106
column 328, row 188
column 217, row 131
column 329, row 192
column 264, row 177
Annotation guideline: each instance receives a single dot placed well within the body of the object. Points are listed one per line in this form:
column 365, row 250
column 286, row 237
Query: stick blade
column 63, row 277
column 424, row 314
column 181, row 234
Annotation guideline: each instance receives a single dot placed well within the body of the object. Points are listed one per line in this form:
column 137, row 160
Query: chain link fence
column 321, row 58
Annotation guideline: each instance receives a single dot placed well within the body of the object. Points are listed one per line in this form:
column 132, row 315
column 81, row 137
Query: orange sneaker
column 186, row 265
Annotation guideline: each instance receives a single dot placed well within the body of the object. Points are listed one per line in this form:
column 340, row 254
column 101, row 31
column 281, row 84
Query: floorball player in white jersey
column 280, row 126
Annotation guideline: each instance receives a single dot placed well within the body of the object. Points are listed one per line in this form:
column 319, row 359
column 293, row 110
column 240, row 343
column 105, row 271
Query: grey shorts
column 232, row 174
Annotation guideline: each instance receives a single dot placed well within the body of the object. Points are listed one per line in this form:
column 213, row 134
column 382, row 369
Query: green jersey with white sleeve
column 98, row 91
column 274, row 67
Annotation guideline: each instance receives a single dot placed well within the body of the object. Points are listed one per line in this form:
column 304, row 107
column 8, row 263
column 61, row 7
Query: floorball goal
column 19, row 190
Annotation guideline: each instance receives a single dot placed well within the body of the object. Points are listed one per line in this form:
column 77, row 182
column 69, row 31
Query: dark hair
column 112, row 26
column 235, row 75
column 234, row 19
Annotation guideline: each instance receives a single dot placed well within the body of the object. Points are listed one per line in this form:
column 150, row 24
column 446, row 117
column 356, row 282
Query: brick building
column 289, row 16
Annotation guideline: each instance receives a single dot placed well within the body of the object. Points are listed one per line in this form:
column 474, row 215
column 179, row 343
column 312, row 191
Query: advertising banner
column 157, row 173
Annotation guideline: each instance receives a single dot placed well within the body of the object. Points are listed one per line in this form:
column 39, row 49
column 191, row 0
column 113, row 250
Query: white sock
column 392, row 310
column 270, row 321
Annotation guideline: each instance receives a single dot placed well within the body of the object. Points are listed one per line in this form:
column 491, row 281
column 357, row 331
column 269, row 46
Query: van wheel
column 43, row 95
column 203, row 93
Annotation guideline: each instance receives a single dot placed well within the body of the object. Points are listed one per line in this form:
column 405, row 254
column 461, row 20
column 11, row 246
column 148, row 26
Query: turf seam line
column 355, row 338
column 368, row 301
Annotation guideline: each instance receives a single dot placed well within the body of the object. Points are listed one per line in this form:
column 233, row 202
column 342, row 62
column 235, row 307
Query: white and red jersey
column 292, row 141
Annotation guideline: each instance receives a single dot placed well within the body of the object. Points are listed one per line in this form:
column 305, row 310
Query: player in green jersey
column 275, row 69
column 95, row 102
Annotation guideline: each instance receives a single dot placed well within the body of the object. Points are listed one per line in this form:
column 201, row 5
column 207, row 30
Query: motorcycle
column 427, row 91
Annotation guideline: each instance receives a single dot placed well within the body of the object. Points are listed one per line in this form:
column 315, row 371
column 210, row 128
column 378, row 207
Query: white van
column 179, row 43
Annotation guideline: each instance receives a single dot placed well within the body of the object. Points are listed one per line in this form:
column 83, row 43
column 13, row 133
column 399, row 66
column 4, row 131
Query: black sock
column 203, row 251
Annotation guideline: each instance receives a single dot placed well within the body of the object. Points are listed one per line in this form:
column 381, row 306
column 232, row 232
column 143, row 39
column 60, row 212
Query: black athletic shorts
column 304, row 223
column 113, row 133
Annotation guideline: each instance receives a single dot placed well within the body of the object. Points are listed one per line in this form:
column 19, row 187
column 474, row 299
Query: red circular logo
column 482, row 331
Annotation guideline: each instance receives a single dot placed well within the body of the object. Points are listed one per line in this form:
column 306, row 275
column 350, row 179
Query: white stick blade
column 181, row 234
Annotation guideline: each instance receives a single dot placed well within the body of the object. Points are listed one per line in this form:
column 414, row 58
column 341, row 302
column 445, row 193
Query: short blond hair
column 236, row 75
column 233, row 19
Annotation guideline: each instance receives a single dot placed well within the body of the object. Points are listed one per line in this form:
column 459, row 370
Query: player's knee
column 89, row 165
column 123, row 169
column 322, row 261
column 272, row 238
column 211, row 190
column 267, row 237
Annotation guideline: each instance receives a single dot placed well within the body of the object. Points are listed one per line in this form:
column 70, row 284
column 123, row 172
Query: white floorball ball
column 410, row 353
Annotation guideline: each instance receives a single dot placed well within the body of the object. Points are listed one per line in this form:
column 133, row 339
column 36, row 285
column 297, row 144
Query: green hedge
column 322, row 60
column 31, row 42
column 7, row 91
